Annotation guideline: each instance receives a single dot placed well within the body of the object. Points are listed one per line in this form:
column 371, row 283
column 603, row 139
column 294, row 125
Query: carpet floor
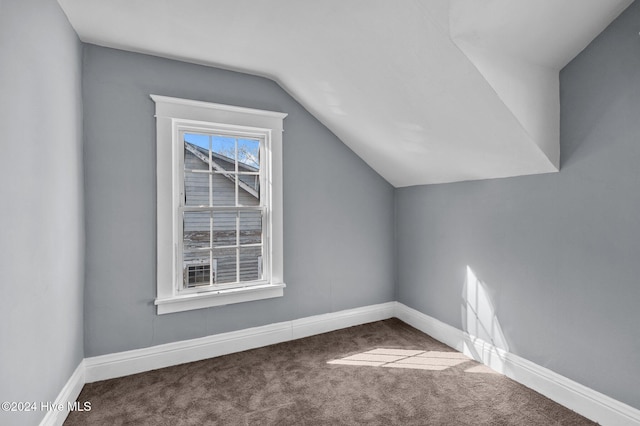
column 382, row 373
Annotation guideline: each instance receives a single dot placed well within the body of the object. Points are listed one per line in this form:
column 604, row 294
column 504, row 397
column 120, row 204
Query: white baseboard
column 139, row 360
column 579, row 398
column 68, row 394
column 325, row 323
column 583, row 400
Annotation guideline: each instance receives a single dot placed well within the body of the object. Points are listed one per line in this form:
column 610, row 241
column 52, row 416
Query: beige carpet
column 383, row 373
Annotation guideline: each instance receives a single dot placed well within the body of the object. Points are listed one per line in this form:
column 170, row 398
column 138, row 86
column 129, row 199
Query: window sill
column 218, row 298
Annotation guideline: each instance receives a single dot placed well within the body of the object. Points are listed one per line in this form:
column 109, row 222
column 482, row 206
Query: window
column 219, row 204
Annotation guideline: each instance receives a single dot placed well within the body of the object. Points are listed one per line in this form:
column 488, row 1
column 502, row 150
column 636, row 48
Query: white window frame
column 173, row 115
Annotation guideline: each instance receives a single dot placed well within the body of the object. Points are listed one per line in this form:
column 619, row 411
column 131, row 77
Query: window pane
column 224, row 189
column 248, row 169
column 196, row 229
column 251, row 227
column 224, row 229
column 226, row 265
column 250, row 263
column 248, row 196
column 224, row 152
column 196, row 189
column 196, row 152
column 249, row 155
column 249, row 190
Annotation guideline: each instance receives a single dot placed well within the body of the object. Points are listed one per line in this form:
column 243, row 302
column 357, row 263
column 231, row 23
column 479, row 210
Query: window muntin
column 222, row 207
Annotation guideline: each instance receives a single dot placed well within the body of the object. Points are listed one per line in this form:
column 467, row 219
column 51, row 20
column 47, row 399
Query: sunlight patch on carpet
column 481, row 369
column 404, row 358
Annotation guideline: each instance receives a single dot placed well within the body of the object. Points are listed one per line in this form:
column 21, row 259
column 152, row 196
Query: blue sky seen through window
column 248, row 149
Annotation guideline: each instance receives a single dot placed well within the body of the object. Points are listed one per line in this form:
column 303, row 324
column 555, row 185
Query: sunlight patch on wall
column 479, row 318
column 485, row 340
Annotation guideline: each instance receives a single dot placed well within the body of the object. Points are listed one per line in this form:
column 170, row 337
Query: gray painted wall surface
column 41, row 207
column 559, row 254
column 338, row 213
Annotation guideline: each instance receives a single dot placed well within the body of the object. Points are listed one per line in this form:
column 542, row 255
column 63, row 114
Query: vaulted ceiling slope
column 425, row 91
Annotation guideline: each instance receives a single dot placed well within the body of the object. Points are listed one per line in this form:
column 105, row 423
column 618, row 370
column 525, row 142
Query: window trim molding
column 171, row 112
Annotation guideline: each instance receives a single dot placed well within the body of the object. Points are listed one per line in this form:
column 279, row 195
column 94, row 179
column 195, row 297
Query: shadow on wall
column 479, row 320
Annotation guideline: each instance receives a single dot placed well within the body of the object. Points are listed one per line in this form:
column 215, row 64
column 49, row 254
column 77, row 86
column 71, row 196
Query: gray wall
column 338, row 213
column 41, row 207
column 559, row 254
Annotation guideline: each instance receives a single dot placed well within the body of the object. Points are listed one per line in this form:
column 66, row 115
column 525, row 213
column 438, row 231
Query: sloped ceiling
column 425, row 91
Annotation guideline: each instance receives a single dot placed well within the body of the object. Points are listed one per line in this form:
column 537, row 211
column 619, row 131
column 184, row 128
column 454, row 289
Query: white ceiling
column 425, row 91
